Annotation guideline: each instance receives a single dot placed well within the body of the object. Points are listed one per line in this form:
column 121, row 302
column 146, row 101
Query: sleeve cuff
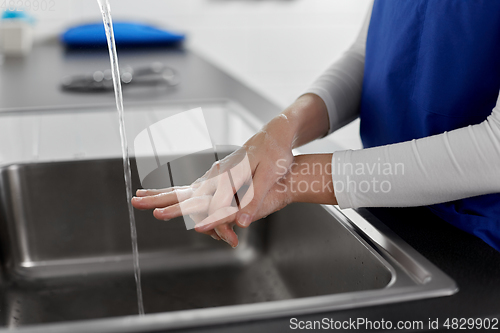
column 340, row 180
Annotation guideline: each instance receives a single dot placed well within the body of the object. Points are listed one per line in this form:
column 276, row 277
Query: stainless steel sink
column 66, row 261
column 66, row 258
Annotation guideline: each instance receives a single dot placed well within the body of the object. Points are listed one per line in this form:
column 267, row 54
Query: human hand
column 217, row 217
column 267, row 155
column 270, row 150
column 212, row 194
column 253, row 168
column 213, row 216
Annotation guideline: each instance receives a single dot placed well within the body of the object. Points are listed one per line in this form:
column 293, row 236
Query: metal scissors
column 155, row 74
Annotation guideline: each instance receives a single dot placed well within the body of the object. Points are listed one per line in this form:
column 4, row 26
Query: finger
column 163, row 199
column 224, row 193
column 196, row 205
column 212, row 172
column 223, row 215
column 149, row 192
column 205, row 187
column 197, row 218
column 237, row 166
column 264, row 178
column 213, row 234
column 275, row 200
column 230, row 182
column 241, row 173
column 226, row 233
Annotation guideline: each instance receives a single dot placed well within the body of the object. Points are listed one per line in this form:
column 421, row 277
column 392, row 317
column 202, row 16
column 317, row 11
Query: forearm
column 309, row 179
column 450, row 166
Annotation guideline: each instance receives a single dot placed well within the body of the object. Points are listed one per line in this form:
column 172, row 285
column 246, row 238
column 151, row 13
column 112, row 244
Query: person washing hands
column 424, row 78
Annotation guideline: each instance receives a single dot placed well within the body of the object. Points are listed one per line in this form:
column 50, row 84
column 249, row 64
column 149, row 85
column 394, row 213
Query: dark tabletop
column 33, row 82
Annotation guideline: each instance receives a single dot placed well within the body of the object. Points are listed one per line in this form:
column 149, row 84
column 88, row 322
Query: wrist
column 284, row 128
column 302, row 122
column 310, row 115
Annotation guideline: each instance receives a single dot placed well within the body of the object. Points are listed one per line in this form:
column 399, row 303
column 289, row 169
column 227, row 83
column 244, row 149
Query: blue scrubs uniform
column 433, row 66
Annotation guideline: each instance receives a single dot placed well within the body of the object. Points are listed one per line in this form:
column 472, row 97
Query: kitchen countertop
column 33, row 82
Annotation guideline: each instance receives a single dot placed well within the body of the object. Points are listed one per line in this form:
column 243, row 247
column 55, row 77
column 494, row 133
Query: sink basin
column 66, row 261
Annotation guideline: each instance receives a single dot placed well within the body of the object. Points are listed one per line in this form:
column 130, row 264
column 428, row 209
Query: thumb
column 262, row 182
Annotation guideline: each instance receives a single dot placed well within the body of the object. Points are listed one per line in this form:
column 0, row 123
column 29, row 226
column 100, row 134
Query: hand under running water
column 261, row 167
column 210, row 203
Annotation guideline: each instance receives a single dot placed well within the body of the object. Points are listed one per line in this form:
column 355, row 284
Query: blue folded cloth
column 126, row 34
column 17, row 15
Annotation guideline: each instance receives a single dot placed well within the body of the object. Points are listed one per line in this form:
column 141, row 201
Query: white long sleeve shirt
column 453, row 165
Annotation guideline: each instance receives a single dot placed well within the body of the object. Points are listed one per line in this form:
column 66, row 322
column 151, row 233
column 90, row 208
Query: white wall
column 277, row 47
